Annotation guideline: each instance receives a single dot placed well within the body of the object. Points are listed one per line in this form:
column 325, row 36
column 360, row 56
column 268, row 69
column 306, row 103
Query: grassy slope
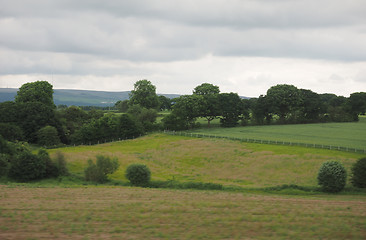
column 352, row 135
column 208, row 160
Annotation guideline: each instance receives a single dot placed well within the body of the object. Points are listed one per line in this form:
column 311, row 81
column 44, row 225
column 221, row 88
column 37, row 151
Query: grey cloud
column 175, row 30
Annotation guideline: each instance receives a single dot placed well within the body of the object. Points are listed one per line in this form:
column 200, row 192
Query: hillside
column 212, row 160
column 78, row 97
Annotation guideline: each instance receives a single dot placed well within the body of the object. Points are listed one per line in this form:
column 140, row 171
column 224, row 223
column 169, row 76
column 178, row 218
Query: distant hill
column 78, row 97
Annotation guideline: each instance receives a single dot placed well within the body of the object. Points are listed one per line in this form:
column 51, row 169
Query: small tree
column 358, row 178
column 138, row 174
column 332, row 176
column 98, row 172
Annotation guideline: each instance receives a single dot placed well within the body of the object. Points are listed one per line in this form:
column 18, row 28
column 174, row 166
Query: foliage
column 143, row 116
column 206, row 89
column 209, row 106
column 4, row 164
column 283, row 100
column 122, row 106
column 332, row 176
column 358, row 103
column 48, row 136
column 138, row 174
column 40, row 91
column 358, row 177
column 11, row 132
column 231, row 108
column 187, row 109
column 34, row 116
column 128, row 128
column 51, row 168
column 174, row 122
column 164, row 103
column 26, row 166
column 97, row 172
column 144, row 94
column 61, row 164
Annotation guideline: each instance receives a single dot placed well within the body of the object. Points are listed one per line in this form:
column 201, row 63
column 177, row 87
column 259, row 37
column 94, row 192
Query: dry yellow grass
column 136, row 213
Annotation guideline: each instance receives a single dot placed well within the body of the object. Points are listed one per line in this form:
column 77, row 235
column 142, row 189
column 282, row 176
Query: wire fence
column 250, row 140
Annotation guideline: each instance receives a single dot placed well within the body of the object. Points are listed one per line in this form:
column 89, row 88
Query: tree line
column 283, row 104
column 34, row 118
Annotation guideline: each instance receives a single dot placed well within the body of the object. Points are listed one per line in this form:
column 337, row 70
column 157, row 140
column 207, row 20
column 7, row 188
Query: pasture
column 219, row 161
column 137, row 213
column 350, row 134
column 63, row 209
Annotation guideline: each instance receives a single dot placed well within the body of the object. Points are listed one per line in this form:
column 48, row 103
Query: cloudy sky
column 242, row 46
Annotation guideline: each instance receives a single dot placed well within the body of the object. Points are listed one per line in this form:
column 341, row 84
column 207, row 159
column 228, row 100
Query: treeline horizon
column 34, row 118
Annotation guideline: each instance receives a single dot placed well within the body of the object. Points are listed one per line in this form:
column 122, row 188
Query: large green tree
column 206, row 89
column 357, row 103
column 40, row 91
column 231, row 108
column 209, row 107
column 284, row 100
column 187, row 108
column 144, row 94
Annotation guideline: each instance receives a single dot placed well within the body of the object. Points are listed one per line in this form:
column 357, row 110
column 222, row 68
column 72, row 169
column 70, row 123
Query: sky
column 241, row 46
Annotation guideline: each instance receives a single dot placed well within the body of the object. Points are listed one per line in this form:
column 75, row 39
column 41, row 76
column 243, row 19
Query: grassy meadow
column 230, row 163
column 247, row 208
column 350, row 134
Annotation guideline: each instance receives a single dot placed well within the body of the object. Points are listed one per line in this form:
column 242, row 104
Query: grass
column 230, row 163
column 351, row 134
column 136, row 213
column 267, row 193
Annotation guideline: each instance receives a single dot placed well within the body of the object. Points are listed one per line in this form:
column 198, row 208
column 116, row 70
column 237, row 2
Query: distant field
column 352, row 134
column 209, row 160
column 137, row 213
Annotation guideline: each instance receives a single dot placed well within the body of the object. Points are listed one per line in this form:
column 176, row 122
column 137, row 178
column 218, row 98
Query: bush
column 4, row 164
column 51, row 168
column 138, row 174
column 26, row 166
column 48, row 136
column 60, row 163
column 98, row 172
column 332, row 176
column 11, row 132
column 358, row 178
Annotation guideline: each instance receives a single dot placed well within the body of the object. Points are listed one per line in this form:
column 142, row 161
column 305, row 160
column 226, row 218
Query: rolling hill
column 78, row 97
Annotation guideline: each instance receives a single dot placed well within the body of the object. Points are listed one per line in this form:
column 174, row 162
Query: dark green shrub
column 51, row 168
column 358, row 178
column 60, row 162
column 332, row 176
column 26, row 166
column 97, row 172
column 11, row 132
column 4, row 164
column 48, row 136
column 138, row 174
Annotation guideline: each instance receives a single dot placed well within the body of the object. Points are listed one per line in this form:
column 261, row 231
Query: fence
column 250, row 140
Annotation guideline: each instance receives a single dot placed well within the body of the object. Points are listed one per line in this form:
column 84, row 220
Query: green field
column 247, row 208
column 350, row 134
column 225, row 162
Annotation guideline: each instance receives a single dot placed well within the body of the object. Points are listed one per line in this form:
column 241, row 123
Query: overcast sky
column 242, row 46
